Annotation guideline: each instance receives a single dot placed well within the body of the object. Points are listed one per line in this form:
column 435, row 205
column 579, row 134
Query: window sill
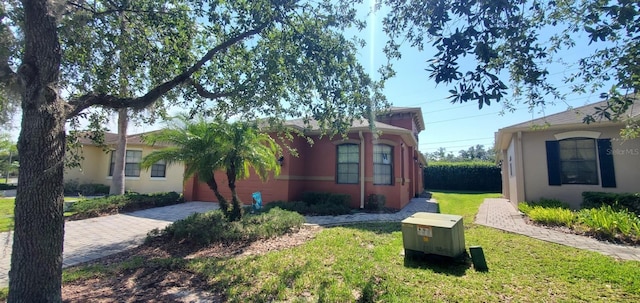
column 126, row 178
column 158, row 178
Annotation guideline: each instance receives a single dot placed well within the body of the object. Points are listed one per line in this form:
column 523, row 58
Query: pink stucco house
column 383, row 161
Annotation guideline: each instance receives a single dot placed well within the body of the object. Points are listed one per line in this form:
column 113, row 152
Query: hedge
column 316, row 204
column 122, row 203
column 473, row 176
column 619, row 201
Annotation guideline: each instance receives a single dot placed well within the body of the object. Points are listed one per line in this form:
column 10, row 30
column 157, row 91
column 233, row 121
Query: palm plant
column 205, row 147
column 245, row 147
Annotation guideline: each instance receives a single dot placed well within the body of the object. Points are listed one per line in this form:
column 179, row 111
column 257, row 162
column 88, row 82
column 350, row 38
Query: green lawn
column 364, row 261
column 6, row 212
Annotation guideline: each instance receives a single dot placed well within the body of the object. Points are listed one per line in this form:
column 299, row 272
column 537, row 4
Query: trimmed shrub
column 123, row 203
column 375, row 202
column 618, row 201
column 213, row 226
column 549, row 203
column 73, row 188
column 316, row 204
column 472, row 176
column 314, row 198
column 4, row 186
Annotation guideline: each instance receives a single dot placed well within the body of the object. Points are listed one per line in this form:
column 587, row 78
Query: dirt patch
column 152, row 283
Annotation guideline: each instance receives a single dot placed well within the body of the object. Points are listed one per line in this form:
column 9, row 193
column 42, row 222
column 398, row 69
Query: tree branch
column 203, row 92
column 78, row 105
column 116, row 9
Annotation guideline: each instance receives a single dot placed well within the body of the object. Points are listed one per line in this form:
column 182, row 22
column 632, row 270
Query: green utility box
column 429, row 233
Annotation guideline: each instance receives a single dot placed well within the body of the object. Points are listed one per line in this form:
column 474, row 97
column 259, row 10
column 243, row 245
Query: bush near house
column 122, row 203
column 4, row 186
column 604, row 222
column 213, row 226
column 375, row 202
column 618, row 201
column 74, row 188
column 316, row 204
column 472, row 176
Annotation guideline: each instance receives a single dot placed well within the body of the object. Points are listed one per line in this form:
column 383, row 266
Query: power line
column 487, row 146
column 453, row 141
column 462, row 118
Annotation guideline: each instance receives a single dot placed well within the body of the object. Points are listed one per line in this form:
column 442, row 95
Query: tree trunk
column 236, row 210
column 224, row 205
column 117, row 178
column 36, row 261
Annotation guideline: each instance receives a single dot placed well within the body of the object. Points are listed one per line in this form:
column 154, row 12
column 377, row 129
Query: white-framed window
column 382, row 164
column 578, row 161
column 348, row 163
column 133, row 159
column 159, row 169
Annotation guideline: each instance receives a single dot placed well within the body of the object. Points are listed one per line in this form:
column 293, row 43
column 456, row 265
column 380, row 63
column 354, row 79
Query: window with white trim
column 159, row 169
column 133, row 159
column 348, row 158
column 382, row 164
column 578, row 161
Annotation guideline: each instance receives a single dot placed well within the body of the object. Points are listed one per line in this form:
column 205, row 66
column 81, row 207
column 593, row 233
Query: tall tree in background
column 126, row 62
column 9, row 97
column 8, row 156
column 521, row 38
column 275, row 58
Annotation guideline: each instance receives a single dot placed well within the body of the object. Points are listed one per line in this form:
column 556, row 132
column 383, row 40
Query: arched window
column 382, row 164
column 348, row 158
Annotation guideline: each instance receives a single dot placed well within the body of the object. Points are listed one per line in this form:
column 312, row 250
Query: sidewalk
column 415, row 205
column 501, row 214
column 94, row 238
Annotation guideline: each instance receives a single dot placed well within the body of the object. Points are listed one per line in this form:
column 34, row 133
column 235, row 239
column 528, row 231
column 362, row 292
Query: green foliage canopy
column 477, row 41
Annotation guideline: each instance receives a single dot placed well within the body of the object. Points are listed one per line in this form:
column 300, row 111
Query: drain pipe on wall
column 361, row 169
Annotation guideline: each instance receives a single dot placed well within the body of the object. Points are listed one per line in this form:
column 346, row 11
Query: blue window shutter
column 553, row 163
column 607, row 172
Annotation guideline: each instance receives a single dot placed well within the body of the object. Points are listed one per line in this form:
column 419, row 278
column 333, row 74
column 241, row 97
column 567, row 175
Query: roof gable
column 573, row 116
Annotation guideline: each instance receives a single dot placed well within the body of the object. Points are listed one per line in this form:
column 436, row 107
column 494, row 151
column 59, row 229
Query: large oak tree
column 275, row 58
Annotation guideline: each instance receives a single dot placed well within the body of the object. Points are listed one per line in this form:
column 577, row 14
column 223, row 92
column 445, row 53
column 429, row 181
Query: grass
column 363, row 263
column 6, row 212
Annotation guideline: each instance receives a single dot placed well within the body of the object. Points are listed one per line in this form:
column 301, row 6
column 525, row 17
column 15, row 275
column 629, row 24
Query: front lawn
column 363, row 263
column 6, row 212
column 88, row 208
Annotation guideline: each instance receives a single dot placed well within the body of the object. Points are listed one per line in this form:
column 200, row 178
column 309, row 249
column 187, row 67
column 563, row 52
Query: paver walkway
column 415, row 205
column 94, row 238
column 501, row 214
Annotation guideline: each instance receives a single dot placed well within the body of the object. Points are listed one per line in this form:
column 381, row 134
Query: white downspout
column 361, row 169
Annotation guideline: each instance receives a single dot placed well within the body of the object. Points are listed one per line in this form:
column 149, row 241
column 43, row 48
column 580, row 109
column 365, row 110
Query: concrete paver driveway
column 94, row 238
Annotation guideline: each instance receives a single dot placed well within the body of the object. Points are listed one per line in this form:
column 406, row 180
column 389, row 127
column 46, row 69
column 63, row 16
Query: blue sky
column 456, row 126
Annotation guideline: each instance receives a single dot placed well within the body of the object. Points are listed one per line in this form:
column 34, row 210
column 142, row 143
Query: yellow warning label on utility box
column 424, row 231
